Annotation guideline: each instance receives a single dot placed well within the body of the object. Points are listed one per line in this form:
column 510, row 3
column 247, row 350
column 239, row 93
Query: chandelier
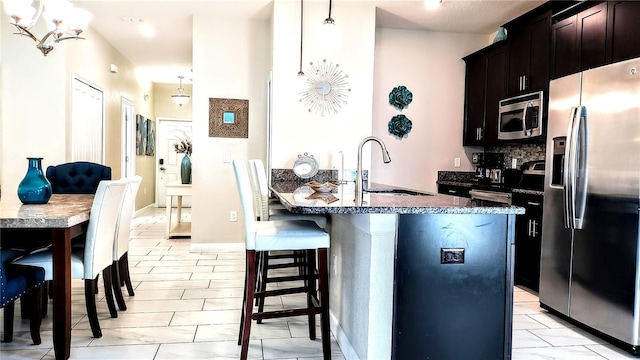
column 64, row 21
column 180, row 98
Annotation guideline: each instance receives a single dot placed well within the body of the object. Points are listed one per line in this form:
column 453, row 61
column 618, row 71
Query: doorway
column 170, row 131
column 128, row 136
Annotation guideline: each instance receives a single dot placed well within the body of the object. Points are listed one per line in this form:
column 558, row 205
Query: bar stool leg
column 250, row 284
column 323, row 280
column 310, row 283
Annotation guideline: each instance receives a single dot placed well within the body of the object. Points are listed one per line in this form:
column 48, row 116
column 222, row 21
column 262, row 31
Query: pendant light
column 300, row 72
column 329, row 36
column 180, row 98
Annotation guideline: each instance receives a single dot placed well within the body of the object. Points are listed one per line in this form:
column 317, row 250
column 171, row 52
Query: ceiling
column 168, row 54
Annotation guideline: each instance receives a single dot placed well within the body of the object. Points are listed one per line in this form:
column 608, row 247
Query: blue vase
column 34, row 188
column 185, row 170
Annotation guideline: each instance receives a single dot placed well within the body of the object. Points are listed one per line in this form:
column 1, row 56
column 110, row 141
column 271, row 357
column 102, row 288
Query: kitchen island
column 450, row 258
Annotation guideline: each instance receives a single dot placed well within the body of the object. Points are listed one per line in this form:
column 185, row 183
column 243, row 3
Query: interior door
column 169, row 131
column 128, row 120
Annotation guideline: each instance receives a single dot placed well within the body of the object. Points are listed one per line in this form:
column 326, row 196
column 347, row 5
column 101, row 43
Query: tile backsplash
column 521, row 152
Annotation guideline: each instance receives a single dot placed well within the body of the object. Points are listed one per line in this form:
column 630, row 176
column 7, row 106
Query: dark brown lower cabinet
column 528, row 240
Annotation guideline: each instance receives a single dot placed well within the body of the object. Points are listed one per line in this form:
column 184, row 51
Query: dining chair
column 25, row 283
column 274, row 210
column 120, row 274
column 80, row 177
column 282, row 235
column 97, row 254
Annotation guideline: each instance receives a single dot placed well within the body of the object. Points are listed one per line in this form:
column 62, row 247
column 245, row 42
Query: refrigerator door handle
column 581, row 140
column 568, row 189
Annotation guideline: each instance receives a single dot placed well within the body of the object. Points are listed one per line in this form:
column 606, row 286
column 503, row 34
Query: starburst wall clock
column 327, row 88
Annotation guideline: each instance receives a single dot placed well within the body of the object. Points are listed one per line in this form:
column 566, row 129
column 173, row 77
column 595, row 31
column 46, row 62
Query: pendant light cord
column 301, row 73
column 329, row 9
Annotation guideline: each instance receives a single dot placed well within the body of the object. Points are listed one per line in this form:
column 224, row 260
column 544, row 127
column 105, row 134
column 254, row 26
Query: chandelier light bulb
column 432, row 4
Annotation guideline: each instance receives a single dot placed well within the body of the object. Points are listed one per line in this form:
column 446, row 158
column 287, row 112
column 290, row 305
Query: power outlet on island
column 456, row 162
column 233, row 216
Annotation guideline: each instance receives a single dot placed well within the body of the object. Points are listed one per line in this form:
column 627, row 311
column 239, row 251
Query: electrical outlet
column 456, row 162
column 514, row 163
column 233, row 216
column 451, row 256
column 226, row 157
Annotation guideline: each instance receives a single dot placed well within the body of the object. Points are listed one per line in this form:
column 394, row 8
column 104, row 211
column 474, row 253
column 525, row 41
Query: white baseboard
column 139, row 211
column 216, row 247
column 345, row 345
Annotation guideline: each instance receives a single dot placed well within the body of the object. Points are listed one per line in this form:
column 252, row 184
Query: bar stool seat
column 264, row 236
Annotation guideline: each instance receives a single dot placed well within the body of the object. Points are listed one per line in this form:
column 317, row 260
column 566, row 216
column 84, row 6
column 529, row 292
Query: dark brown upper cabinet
column 529, row 44
column 579, row 41
column 604, row 33
column 623, row 37
column 485, row 86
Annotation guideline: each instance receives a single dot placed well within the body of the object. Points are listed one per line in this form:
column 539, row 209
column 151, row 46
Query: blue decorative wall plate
column 400, row 126
column 400, row 97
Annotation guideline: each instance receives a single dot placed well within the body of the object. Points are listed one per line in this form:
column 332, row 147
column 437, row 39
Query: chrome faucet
column 385, row 157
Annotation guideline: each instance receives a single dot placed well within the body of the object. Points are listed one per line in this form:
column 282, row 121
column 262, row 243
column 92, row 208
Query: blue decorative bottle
column 185, row 170
column 34, row 188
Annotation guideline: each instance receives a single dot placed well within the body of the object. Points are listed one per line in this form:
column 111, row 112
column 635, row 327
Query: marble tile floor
column 187, row 306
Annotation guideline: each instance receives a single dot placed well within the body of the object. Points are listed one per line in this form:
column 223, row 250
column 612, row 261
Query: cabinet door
column 519, row 43
column 623, row 37
column 565, row 55
column 474, row 101
column 496, row 90
column 540, row 57
column 528, row 241
column 529, row 55
column 592, row 34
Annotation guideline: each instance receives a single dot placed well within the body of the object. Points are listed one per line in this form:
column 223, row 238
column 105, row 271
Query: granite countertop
column 294, row 197
column 62, row 211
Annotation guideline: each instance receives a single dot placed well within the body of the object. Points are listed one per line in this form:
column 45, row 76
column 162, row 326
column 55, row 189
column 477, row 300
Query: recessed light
column 133, row 19
column 432, row 4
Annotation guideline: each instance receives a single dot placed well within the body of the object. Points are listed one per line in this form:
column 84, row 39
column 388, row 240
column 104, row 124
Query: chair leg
column 260, row 269
column 244, row 306
column 32, row 299
column 108, row 292
column 125, row 276
column 310, row 283
column 90, row 300
column 115, row 282
column 9, row 312
column 249, row 292
column 323, row 284
column 263, row 281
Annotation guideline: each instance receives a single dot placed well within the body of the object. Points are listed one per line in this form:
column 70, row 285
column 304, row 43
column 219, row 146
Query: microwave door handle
column 581, row 174
column 567, row 198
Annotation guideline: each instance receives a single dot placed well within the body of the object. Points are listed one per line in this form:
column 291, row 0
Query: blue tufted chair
column 79, row 177
column 18, row 281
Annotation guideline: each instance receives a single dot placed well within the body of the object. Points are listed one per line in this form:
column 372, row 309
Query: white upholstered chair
column 97, row 254
column 120, row 273
column 282, row 235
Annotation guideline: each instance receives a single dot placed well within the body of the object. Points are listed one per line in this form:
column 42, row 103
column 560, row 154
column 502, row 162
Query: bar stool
column 269, row 210
column 282, row 235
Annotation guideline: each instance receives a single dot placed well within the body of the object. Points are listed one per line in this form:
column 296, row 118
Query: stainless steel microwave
column 520, row 117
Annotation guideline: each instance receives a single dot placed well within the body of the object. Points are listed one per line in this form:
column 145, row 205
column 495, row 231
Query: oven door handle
column 499, row 197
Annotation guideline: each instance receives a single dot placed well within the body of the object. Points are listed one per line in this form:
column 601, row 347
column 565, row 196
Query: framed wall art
column 228, row 118
column 141, row 135
column 151, row 138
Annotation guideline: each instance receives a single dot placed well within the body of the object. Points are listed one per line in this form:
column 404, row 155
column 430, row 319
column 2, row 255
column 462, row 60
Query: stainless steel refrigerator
column 590, row 244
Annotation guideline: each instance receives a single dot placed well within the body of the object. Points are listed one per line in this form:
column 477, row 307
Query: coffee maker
column 488, row 167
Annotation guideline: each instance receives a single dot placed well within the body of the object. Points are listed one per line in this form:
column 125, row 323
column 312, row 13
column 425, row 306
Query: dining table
column 64, row 217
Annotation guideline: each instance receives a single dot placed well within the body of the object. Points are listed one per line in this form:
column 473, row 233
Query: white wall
column 35, row 114
column 231, row 60
column 430, row 65
column 34, row 111
column 295, row 129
